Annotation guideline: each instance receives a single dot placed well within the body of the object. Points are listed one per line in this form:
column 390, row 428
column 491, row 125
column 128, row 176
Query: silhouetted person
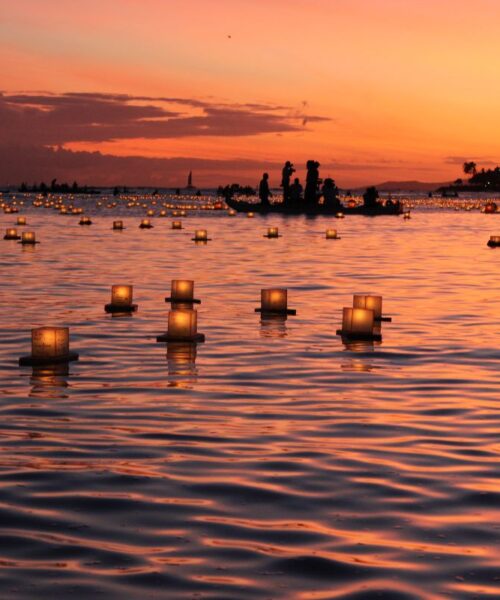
column 296, row 190
column 286, row 173
column 330, row 194
column 370, row 198
column 312, row 183
column 264, row 191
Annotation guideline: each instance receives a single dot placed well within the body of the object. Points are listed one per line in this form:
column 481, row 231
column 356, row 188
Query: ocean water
column 272, row 461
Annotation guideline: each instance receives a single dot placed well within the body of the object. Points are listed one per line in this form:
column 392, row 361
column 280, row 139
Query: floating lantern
column 182, row 327
column 118, row 225
column 250, row 215
column 407, row 215
column 85, row 221
column 231, row 212
column 339, row 215
column 146, row 224
column 28, row 238
column 182, row 213
column 49, row 345
column 358, row 323
column 275, row 301
column 176, row 224
column 494, row 241
column 150, row 213
column 121, row 300
column 331, row 234
column 182, row 290
column 163, row 213
column 370, row 302
column 272, row 232
column 21, row 220
column 201, row 235
column 11, row 234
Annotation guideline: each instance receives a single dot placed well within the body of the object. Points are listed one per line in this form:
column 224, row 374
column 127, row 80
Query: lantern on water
column 21, row 220
column 11, row 234
column 339, row 215
column 182, row 290
column 176, row 225
column 331, row 234
column 117, row 225
column 49, row 345
column 121, row 295
column 272, row 232
column 250, row 215
column 275, row 301
column 163, row 213
column 358, row 323
column 201, row 235
column 494, row 241
column 85, row 221
column 370, row 302
column 145, row 224
column 150, row 213
column 182, row 327
column 28, row 237
column 231, row 212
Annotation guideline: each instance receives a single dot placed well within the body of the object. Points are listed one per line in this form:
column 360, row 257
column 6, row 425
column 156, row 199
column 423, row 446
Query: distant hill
column 406, row 186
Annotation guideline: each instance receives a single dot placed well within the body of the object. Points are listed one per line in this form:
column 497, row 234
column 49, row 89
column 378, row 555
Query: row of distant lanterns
column 50, row 345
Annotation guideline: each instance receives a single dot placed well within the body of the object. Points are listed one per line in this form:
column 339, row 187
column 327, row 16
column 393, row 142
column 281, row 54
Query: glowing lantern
column 339, row 215
column 28, row 237
column 231, row 212
column 118, row 225
column 182, row 290
column 150, row 213
column 121, row 299
column 11, row 234
column 407, row 215
column 494, row 241
column 370, row 302
column 182, row 327
column 358, row 323
column 163, row 213
column 21, row 220
column 49, row 345
column 272, row 232
column 176, row 224
column 146, row 224
column 201, row 235
column 250, row 215
column 275, row 301
column 85, row 221
column 331, row 234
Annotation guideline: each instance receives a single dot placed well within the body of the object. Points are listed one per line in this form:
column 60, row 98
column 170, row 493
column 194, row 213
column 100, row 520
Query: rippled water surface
column 272, row 461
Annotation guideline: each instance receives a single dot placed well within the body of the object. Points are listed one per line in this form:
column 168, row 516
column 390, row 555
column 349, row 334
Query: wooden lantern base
column 178, row 301
column 383, row 319
column 83, row 224
column 272, row 237
column 116, row 308
column 29, row 361
column 376, row 337
column 333, row 238
column 28, row 243
column 201, row 241
column 118, row 228
column 490, row 244
column 11, row 237
column 199, row 338
column 286, row 311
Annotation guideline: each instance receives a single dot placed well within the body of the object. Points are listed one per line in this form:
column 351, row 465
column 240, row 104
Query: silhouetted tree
column 470, row 168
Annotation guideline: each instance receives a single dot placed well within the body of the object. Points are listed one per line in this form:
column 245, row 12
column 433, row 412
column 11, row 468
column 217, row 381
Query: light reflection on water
column 273, row 460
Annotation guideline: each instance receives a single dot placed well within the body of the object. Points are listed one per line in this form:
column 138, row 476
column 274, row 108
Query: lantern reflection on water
column 49, row 345
column 121, row 300
column 11, row 234
column 182, row 291
column 275, row 301
column 182, row 327
column 358, row 323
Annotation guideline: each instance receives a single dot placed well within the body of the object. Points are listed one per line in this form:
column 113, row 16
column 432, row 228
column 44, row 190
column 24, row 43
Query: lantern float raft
column 494, row 241
column 121, row 300
column 85, row 221
column 275, row 302
column 182, row 291
column 49, row 345
column 11, row 234
column 182, row 327
column 176, row 224
column 21, row 220
column 118, row 225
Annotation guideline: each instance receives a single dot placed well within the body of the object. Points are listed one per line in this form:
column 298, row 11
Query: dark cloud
column 58, row 119
column 484, row 161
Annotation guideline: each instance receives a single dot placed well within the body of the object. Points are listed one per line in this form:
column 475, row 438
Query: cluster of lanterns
column 50, row 345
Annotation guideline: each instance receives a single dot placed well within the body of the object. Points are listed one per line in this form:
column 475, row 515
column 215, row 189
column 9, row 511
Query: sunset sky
column 126, row 92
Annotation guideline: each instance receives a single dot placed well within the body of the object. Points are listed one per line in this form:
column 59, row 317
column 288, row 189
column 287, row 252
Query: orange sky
column 407, row 89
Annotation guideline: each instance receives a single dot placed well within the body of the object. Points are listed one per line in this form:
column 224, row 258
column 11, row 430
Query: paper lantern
column 118, row 225
column 176, row 225
column 370, row 302
column 182, row 290
column 28, row 238
column 85, row 221
column 339, row 215
column 231, row 213
column 49, row 345
column 11, row 234
column 275, row 301
column 358, row 323
column 201, row 235
column 21, row 220
column 331, row 234
column 250, row 215
column 182, row 327
column 121, row 300
column 272, row 232
column 494, row 241
column 146, row 224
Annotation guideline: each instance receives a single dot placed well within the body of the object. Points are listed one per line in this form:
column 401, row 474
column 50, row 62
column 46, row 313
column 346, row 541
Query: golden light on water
column 117, row 224
column 201, row 235
column 331, row 234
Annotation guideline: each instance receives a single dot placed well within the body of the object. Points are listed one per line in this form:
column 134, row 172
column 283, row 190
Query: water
column 273, row 461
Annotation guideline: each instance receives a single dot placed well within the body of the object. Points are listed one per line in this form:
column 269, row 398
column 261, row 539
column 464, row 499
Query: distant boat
column 190, row 185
